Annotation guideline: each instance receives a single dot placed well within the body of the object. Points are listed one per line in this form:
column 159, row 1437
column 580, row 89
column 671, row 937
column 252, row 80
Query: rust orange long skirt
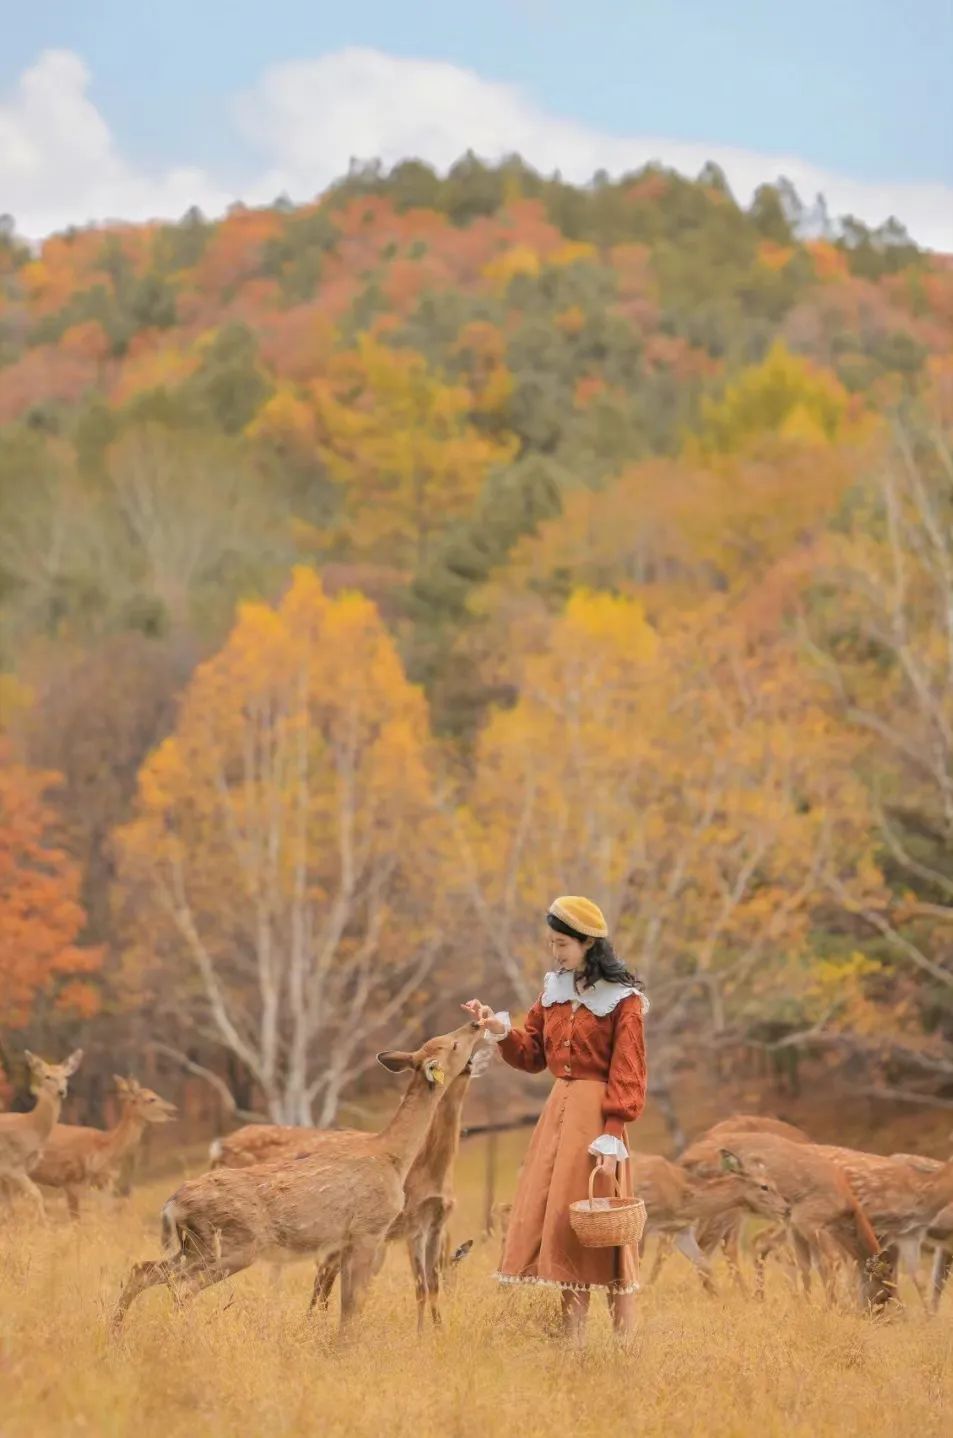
column 540, row 1246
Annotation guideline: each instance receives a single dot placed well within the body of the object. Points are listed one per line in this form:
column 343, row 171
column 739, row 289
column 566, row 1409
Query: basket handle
column 592, row 1184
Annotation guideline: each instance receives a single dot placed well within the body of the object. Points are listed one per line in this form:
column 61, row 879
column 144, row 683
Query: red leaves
column 40, row 912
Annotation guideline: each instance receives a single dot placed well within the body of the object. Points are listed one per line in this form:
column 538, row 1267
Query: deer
column 939, row 1235
column 675, row 1202
column 902, row 1198
column 826, row 1218
column 429, row 1202
column 725, row 1229
column 76, row 1158
column 428, row 1190
column 23, row 1136
column 757, row 1123
column 339, row 1200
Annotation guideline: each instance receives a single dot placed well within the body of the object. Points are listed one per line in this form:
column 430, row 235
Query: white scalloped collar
column 559, row 988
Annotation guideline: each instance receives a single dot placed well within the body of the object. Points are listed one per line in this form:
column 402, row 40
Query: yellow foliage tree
column 398, row 440
column 282, row 867
column 691, row 786
column 784, row 395
column 882, row 632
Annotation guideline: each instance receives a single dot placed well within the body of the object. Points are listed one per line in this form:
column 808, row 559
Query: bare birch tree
column 286, row 850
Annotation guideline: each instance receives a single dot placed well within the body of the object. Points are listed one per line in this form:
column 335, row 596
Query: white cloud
column 60, row 165
column 310, row 116
column 305, row 119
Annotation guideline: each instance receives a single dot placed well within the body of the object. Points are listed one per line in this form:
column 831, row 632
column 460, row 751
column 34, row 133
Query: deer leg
column 731, row 1243
column 417, row 1253
column 803, row 1253
column 72, row 1201
column 662, row 1251
column 357, row 1270
column 726, row 1231
column 828, row 1258
column 765, row 1243
column 909, row 1255
column 143, row 1276
column 942, row 1263
column 27, row 1187
column 436, row 1247
column 197, row 1277
column 324, row 1278
column 686, row 1242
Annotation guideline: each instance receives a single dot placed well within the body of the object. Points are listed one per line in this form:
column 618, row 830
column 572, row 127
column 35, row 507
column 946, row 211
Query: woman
column 586, row 1028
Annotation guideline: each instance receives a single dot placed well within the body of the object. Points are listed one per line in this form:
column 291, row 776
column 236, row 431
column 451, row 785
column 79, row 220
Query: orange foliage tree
column 42, row 964
column 282, row 868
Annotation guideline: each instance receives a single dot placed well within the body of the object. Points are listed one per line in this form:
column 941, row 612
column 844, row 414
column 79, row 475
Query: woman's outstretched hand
column 484, row 1015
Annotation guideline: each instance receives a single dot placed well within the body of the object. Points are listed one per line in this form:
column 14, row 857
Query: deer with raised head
column 428, row 1189
column 338, row 1200
column 23, row 1136
column 826, row 1218
column 675, row 1202
column 428, row 1201
column 76, row 1158
column 902, row 1199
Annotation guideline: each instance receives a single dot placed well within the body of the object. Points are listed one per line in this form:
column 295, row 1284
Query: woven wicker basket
column 607, row 1222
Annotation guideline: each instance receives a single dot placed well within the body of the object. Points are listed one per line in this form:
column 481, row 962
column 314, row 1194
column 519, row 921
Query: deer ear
column 121, row 1083
column 74, row 1061
column 396, row 1061
column 32, row 1061
column 433, row 1073
column 730, row 1162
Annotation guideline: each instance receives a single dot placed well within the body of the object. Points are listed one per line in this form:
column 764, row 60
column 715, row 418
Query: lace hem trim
column 572, row 1287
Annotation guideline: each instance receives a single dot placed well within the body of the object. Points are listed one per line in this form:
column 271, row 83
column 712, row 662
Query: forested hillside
column 373, row 569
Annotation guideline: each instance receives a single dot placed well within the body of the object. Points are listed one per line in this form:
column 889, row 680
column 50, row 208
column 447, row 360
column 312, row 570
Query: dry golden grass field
column 245, row 1360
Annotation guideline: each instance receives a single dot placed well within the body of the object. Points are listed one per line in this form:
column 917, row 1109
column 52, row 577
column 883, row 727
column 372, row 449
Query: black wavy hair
column 602, row 961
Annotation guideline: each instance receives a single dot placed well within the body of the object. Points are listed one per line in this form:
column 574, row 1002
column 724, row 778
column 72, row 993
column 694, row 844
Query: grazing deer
column 826, row 1217
column 76, row 1158
column 341, row 1199
column 724, row 1230
column 23, row 1136
column 428, row 1189
column 675, row 1202
column 901, row 1198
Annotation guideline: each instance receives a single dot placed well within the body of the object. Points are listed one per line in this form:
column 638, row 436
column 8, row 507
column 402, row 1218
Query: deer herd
column 278, row 1194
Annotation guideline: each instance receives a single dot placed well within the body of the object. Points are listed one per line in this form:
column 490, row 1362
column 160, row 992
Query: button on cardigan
column 574, row 1042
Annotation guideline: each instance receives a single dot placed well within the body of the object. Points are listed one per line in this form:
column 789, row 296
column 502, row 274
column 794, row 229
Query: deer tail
column 864, row 1227
column 169, row 1229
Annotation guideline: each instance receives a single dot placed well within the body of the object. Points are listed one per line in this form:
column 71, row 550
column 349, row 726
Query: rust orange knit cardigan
column 574, row 1043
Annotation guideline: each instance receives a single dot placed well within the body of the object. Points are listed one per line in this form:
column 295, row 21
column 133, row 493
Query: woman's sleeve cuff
column 503, row 1018
column 607, row 1146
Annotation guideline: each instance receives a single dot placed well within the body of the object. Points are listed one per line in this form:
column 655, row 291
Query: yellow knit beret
column 580, row 914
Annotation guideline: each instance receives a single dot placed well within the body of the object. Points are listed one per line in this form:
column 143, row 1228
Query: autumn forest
column 373, row 569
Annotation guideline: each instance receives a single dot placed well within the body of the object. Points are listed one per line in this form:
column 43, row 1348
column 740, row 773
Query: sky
column 112, row 111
